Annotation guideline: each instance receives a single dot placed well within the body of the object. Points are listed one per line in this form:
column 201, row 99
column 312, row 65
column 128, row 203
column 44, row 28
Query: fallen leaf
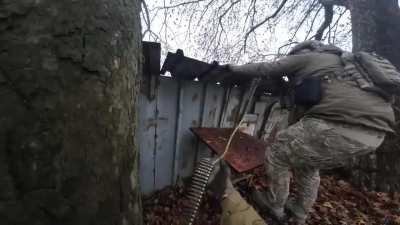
column 328, row 205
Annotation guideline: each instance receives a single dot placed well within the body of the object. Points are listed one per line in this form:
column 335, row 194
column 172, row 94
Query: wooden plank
column 212, row 108
column 167, row 107
column 232, row 109
column 146, row 133
column 189, row 116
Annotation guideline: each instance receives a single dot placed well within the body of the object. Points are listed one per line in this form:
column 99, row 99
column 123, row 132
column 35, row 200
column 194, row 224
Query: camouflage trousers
column 304, row 148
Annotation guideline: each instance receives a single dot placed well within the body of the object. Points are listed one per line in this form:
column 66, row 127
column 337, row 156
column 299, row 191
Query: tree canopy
column 244, row 30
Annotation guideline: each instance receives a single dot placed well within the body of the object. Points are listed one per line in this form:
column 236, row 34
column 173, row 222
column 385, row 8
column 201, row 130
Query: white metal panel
column 146, row 132
column 190, row 103
column 168, row 149
column 167, row 107
column 260, row 108
column 231, row 111
column 212, row 109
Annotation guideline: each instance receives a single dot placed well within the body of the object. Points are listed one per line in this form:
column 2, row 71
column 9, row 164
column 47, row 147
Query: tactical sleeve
column 288, row 65
column 236, row 211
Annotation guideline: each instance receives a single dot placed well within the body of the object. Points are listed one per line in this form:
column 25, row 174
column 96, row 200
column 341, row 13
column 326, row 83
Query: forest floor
column 339, row 203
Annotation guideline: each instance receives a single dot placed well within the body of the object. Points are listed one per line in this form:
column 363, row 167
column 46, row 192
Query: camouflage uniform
column 346, row 122
column 304, row 148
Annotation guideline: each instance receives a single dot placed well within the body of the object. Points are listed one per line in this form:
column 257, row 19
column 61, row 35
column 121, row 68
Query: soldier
column 338, row 121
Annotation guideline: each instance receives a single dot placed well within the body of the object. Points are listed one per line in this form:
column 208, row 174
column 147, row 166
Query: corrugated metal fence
column 168, row 149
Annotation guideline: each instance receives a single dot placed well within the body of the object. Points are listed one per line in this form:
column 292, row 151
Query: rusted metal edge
column 245, row 153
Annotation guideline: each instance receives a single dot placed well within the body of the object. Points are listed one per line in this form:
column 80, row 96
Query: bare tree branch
column 225, row 12
column 306, row 15
column 146, row 17
column 190, row 25
column 336, row 24
column 328, row 19
column 251, row 10
column 292, row 8
column 205, row 11
column 253, row 28
column 312, row 24
column 268, row 18
column 180, row 4
column 228, row 30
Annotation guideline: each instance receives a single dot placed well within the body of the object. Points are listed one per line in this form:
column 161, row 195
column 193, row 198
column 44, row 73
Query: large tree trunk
column 376, row 27
column 67, row 92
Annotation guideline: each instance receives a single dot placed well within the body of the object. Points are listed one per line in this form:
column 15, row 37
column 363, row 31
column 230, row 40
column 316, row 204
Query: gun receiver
column 187, row 68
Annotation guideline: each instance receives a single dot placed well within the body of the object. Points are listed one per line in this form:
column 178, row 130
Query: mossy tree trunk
column 68, row 81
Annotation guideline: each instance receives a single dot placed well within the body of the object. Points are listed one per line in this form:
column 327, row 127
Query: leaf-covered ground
column 166, row 207
column 338, row 203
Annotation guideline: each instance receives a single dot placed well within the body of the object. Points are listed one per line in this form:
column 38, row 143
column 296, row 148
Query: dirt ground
column 339, row 203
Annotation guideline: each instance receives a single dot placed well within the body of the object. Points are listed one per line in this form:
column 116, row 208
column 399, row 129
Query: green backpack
column 372, row 72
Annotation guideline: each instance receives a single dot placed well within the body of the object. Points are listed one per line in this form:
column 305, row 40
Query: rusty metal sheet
column 245, row 153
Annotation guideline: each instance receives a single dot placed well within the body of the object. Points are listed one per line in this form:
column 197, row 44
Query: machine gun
column 186, row 68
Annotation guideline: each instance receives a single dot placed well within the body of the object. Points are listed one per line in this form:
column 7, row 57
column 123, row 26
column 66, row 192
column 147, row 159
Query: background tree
column 376, row 27
column 68, row 76
column 257, row 30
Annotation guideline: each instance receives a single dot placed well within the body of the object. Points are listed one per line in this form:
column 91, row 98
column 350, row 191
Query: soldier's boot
column 295, row 215
column 273, row 199
column 276, row 214
column 278, row 176
column 307, row 182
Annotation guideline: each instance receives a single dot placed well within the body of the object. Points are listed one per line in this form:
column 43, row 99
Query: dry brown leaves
column 338, row 204
column 165, row 207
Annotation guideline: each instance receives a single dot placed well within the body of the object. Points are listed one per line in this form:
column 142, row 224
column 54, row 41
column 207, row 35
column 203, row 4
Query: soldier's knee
column 277, row 158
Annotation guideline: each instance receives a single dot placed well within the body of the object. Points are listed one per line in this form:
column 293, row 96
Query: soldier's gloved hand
column 220, row 183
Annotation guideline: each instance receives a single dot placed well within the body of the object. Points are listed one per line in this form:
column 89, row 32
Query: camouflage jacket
column 342, row 100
